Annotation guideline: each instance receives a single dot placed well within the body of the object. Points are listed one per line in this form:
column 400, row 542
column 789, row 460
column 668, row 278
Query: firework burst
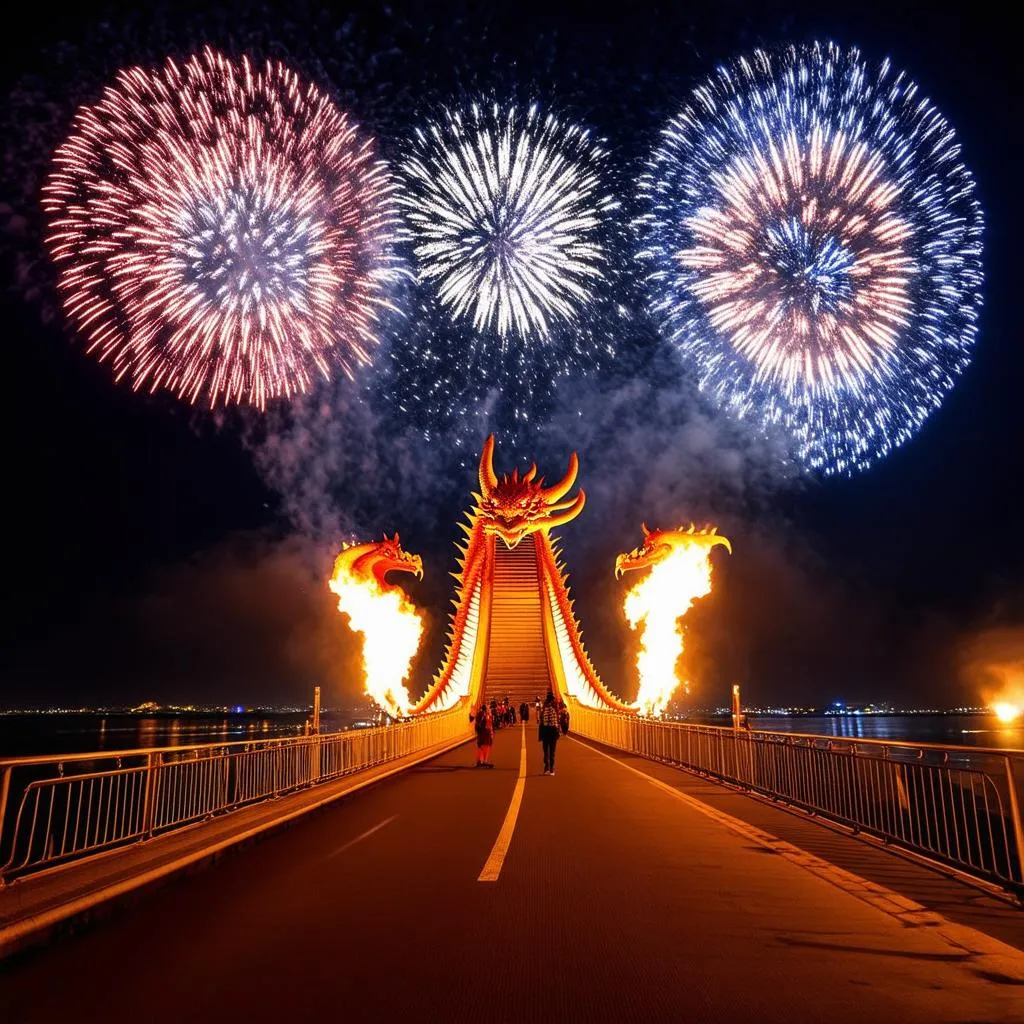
column 507, row 206
column 511, row 221
column 814, row 249
column 221, row 230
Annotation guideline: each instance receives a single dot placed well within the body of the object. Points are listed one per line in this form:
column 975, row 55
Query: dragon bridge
column 513, row 631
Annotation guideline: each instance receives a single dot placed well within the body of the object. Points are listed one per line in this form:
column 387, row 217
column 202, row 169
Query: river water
column 26, row 734
column 981, row 730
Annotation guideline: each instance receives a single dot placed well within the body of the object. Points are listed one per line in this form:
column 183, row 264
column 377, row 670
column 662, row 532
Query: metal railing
column 957, row 805
column 63, row 807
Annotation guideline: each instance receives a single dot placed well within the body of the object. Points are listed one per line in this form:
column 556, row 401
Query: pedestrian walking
column 483, row 723
column 548, row 731
column 524, row 712
column 563, row 718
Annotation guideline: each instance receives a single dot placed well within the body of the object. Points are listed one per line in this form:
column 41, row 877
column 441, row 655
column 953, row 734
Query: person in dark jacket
column 548, row 731
column 483, row 723
column 524, row 712
column 563, row 718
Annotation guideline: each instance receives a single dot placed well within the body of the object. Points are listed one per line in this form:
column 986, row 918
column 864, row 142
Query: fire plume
column 994, row 666
column 1006, row 701
column 391, row 626
column 680, row 572
column 1007, row 711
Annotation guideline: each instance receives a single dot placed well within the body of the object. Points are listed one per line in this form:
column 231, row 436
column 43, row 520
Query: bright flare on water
column 221, row 230
column 1007, row 711
column 814, row 249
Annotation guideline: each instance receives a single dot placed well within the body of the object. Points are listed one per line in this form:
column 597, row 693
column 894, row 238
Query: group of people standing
column 552, row 719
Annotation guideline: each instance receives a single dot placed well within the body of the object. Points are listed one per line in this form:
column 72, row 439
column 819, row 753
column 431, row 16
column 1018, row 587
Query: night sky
column 158, row 552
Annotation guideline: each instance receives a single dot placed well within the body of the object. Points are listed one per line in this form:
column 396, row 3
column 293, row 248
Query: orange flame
column 1008, row 711
column 680, row 572
column 390, row 624
column 1006, row 699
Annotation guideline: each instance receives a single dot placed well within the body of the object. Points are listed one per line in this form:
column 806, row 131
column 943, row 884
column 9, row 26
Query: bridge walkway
column 620, row 899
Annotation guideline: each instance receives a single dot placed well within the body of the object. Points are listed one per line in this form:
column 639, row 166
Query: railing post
column 5, row 792
column 1018, row 827
column 149, row 794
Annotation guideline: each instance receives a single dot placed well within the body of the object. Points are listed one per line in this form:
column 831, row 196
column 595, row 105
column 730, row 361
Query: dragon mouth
column 511, row 535
column 410, row 563
column 636, row 559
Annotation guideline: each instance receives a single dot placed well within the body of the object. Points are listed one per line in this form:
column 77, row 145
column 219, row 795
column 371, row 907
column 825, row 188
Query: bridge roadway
column 617, row 901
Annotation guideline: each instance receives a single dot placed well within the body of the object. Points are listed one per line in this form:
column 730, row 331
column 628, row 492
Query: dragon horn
column 530, row 473
column 561, row 489
column 488, row 478
column 558, row 506
column 643, row 526
column 717, row 539
column 569, row 514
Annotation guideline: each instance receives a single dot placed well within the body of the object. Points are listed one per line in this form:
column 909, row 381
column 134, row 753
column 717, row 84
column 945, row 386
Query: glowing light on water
column 1007, row 712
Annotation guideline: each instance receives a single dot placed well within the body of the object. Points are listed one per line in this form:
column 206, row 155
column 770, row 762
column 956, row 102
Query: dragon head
column 659, row 544
column 513, row 506
column 377, row 559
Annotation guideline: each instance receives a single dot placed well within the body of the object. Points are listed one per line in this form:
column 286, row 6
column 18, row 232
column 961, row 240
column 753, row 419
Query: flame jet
column 392, row 628
column 680, row 572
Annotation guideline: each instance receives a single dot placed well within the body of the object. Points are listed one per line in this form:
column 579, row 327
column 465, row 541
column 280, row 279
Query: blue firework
column 813, row 248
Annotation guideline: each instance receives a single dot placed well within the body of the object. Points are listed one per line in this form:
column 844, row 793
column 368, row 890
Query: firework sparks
column 514, row 244
column 814, row 247
column 680, row 572
column 221, row 230
column 507, row 207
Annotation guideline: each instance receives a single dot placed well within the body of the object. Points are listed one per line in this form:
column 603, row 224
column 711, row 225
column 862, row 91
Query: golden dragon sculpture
column 513, row 631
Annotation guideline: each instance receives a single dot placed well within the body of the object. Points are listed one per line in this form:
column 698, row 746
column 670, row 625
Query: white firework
column 508, row 208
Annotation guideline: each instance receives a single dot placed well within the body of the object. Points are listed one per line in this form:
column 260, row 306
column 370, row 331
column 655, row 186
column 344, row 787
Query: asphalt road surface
column 614, row 902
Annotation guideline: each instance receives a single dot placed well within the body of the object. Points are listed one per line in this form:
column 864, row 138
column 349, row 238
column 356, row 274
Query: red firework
column 221, row 231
